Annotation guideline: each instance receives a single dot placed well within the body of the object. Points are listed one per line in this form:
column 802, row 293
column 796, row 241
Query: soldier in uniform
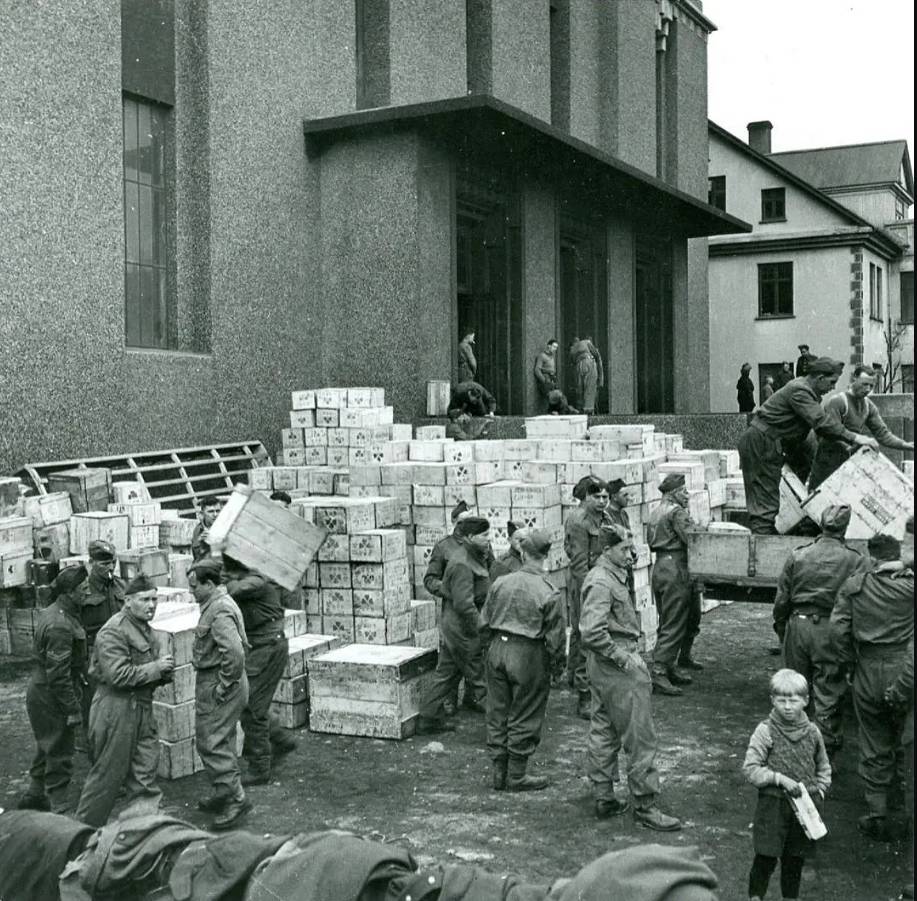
column 122, row 733
column 590, row 376
column 465, row 584
column 472, row 398
column 221, row 693
column 210, row 510
column 617, row 501
column 523, row 622
column 101, row 596
column 872, row 624
column 779, row 433
column 511, row 561
column 53, row 697
column 676, row 601
column 467, row 364
column 545, row 369
column 262, row 613
column 806, row 592
column 621, row 688
column 582, row 545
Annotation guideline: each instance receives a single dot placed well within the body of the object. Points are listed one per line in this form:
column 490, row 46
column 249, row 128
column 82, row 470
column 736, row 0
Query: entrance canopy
column 482, row 127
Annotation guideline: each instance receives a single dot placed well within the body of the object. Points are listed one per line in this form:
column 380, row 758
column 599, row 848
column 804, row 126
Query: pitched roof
column 880, row 162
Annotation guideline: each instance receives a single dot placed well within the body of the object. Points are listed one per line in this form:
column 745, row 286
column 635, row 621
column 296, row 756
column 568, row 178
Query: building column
column 620, row 367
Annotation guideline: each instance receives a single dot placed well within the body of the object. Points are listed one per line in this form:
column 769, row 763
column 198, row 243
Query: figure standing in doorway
column 590, row 374
column 467, row 363
column 745, row 390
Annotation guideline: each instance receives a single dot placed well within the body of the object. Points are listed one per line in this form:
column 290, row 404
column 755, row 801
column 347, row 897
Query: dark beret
column 471, row 525
column 536, row 542
column 460, row 508
column 67, row 579
column 884, row 547
column 672, row 482
column 825, row 366
column 588, row 485
column 835, row 518
column 209, row 569
column 513, row 527
column 103, row 551
column 139, row 584
column 609, row 536
column 614, row 486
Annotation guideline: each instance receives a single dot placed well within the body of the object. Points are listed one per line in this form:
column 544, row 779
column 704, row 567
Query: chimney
column 759, row 136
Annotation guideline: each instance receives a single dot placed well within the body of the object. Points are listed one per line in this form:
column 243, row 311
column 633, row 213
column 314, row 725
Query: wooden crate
column 89, row 489
column 382, row 630
column 177, row 532
column 48, row 509
column 292, row 689
column 423, row 615
column 178, row 569
column 174, row 722
column 382, row 602
column 880, row 496
column 303, row 400
column 129, row 492
column 265, row 536
column 337, row 602
column 14, row 568
column 295, row 623
column 143, row 537
column 180, row 689
column 87, row 527
column 152, row 562
column 52, row 542
column 10, row 496
column 174, row 633
column 15, row 535
column 140, row 513
column 438, row 395
column 340, row 627
column 792, row 494
column 368, row 690
column 291, row 716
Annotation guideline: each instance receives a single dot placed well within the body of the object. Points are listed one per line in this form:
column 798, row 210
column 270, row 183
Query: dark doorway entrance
column 489, row 284
column 655, row 345
column 583, row 284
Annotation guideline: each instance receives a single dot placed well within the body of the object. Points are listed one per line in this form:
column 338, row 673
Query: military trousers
column 808, row 649
column 576, row 659
column 881, row 728
column 460, row 655
column 621, row 718
column 587, row 383
column 52, row 765
column 124, row 747
column 762, row 463
column 678, row 607
column 264, row 666
column 518, row 679
column 215, row 723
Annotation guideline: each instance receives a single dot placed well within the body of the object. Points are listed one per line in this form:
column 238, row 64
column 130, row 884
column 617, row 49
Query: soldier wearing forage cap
column 464, row 586
column 53, row 697
column 806, row 592
column 621, row 689
column 676, row 601
column 582, row 546
column 779, row 433
column 122, row 733
column 523, row 620
column 873, row 624
column 511, row 561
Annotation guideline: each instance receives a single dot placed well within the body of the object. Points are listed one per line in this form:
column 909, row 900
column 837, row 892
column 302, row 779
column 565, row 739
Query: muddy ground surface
column 433, row 796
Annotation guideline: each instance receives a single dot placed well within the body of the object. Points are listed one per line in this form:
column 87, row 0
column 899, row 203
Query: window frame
column 876, row 308
column 716, row 191
column 771, row 210
column 907, row 316
column 767, row 281
column 907, row 378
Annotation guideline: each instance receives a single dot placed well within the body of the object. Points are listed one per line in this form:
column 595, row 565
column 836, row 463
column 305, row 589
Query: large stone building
column 830, row 262
column 206, row 205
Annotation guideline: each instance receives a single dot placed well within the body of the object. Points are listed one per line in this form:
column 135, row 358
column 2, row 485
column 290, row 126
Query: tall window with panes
column 876, row 306
column 775, row 290
column 773, row 205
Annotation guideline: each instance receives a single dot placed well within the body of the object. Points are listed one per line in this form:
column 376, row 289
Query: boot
column 662, row 685
column 31, row 800
column 213, row 804
column 499, row 774
column 232, row 814
column 433, row 725
column 677, row 678
column 281, row 744
column 653, row 818
column 605, row 808
column 686, row 661
column 584, row 705
column 259, row 773
column 518, row 781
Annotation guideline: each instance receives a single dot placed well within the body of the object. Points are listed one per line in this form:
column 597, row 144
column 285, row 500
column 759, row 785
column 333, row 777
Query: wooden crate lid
column 375, row 662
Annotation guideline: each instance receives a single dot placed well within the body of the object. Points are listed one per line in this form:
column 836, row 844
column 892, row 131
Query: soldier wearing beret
column 523, row 622
column 53, row 696
column 780, row 433
column 221, row 691
column 581, row 544
column 464, row 588
column 677, row 602
column 806, row 592
column 872, row 624
column 100, row 597
column 621, row 689
column 511, row 561
column 122, row 735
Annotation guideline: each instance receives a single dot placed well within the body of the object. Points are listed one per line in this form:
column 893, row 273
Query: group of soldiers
column 98, row 665
column 503, row 633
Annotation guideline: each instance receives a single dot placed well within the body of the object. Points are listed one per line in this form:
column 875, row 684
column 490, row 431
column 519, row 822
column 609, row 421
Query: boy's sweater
column 796, row 751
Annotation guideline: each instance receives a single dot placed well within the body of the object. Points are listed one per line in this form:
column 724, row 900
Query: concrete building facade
column 813, row 271
column 208, row 205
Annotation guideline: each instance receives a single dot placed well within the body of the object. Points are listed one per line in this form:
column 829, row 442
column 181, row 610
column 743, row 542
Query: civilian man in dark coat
column 745, row 390
column 53, row 697
column 805, row 358
column 780, row 431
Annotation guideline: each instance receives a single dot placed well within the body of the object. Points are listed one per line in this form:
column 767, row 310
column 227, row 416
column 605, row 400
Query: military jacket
column 125, row 657
column 668, row 527
column 60, row 656
column 795, row 408
column 442, row 551
column 581, row 540
column 259, row 601
column 220, row 641
column 609, row 622
column 99, row 600
column 466, row 582
column 510, row 562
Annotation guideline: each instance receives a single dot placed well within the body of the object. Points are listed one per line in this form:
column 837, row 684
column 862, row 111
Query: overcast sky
column 825, row 72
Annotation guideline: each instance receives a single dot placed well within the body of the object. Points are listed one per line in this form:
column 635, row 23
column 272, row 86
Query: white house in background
column 828, row 264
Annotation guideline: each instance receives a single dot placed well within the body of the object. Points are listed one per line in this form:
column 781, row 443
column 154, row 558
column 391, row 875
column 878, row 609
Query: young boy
column 785, row 752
